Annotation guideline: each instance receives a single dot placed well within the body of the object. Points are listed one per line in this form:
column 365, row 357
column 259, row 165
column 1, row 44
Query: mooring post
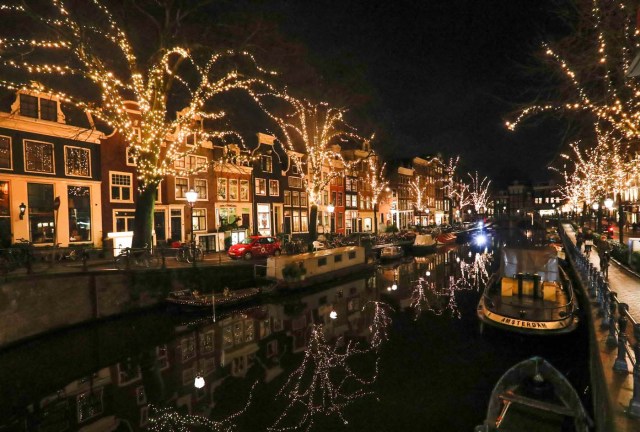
column 620, row 364
column 634, row 403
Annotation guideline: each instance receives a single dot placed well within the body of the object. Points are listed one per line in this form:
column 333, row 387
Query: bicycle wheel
column 121, row 262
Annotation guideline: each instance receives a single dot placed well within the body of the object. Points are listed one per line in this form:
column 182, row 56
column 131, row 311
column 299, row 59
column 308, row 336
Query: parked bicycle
column 130, row 257
column 187, row 251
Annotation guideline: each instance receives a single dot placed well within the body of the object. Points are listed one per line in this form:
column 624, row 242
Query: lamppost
column 595, row 208
column 331, row 209
column 608, row 203
column 192, row 197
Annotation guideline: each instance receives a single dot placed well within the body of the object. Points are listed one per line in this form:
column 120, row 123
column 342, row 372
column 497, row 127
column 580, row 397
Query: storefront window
column 40, row 210
column 79, row 213
column 264, row 224
column 5, row 215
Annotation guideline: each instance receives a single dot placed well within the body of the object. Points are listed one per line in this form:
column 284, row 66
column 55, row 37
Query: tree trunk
column 584, row 214
column 599, row 216
column 143, row 222
column 620, row 219
column 375, row 219
column 313, row 225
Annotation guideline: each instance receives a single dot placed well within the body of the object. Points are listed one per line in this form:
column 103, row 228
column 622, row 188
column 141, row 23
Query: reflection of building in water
column 241, row 345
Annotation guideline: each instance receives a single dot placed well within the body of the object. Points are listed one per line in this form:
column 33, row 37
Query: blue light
column 481, row 240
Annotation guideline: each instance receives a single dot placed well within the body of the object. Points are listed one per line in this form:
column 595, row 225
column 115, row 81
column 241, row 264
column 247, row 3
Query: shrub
column 391, row 229
column 635, row 261
column 619, row 252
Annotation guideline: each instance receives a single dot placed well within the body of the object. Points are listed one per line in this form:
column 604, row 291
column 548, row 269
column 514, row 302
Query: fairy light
column 168, row 419
column 375, row 177
column 156, row 142
column 324, row 384
column 600, row 88
column 380, row 323
column 479, row 191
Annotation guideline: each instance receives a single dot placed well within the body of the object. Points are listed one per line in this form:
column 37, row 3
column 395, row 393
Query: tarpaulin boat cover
column 542, row 261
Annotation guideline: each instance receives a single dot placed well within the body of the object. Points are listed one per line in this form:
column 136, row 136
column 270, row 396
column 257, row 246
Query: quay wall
column 31, row 305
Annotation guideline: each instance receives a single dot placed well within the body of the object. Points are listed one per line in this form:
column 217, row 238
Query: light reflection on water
column 312, row 371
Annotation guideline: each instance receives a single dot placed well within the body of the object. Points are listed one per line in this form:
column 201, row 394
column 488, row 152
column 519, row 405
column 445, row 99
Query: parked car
column 255, row 246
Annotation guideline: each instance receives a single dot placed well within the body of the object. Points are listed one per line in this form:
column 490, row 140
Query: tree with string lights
column 375, row 177
column 479, row 192
column 316, row 130
column 97, row 61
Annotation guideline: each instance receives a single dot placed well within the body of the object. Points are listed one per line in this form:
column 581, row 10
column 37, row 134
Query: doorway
column 159, row 225
column 176, row 224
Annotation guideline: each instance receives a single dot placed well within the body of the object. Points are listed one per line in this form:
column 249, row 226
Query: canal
column 398, row 350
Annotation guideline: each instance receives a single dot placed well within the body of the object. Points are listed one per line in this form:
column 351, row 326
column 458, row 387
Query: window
column 244, row 190
column 337, row 258
column 233, row 189
column 89, row 404
column 296, row 198
column 333, row 198
column 222, row 189
column 40, row 205
column 123, row 220
column 304, row 222
column 5, row 153
column 296, row 221
column 352, row 255
column 182, row 186
column 322, row 261
column 340, row 220
column 131, row 158
column 287, row 198
column 267, row 164
column 179, row 163
column 303, row 199
column 261, row 186
column 28, row 106
column 295, row 182
column 294, row 169
column 38, row 157
column 325, row 198
column 48, row 109
column 274, row 189
column 77, row 161
column 79, row 198
column 339, row 202
column 199, row 219
column 121, row 186
column 200, row 186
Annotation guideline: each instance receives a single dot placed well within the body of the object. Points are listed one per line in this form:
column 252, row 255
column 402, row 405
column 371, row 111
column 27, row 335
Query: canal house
column 268, row 163
column 49, row 173
column 296, row 199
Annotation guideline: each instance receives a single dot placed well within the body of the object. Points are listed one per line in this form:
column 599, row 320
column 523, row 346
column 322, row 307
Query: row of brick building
column 64, row 181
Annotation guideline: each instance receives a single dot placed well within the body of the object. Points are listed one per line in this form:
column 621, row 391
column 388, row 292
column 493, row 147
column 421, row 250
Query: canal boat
column 299, row 271
column 535, row 396
column 424, row 244
column 391, row 253
column 446, row 238
column 529, row 294
column 193, row 301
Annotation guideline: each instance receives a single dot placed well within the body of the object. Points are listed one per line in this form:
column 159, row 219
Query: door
column 176, row 224
column 5, row 215
column 159, row 225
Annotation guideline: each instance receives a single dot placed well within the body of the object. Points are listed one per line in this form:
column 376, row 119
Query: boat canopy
column 542, row 261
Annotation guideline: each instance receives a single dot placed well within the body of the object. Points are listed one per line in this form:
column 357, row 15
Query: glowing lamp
column 330, row 208
column 595, row 206
column 394, row 287
column 198, row 382
column 428, row 273
column 333, row 314
column 192, row 197
column 608, row 203
column 23, row 209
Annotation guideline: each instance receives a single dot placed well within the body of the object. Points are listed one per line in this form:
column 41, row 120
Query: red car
column 255, row 246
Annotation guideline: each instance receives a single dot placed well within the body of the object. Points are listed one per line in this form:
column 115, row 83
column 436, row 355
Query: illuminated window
column 39, row 157
column 77, row 161
column 5, row 153
column 261, row 186
column 182, row 187
column 200, row 186
column 121, row 186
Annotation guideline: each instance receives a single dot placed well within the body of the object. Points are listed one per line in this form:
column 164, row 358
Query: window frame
column 257, row 189
column 220, row 181
column 205, row 196
column 277, row 189
column 269, row 163
column 130, row 175
column 53, row 156
column 65, row 161
column 200, row 218
column 248, row 184
column 10, row 168
column 175, row 188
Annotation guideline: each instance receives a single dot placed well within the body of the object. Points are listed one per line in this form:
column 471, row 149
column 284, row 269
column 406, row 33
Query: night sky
column 440, row 76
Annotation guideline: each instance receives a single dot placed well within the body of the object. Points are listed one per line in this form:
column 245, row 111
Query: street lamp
column 192, row 197
column 331, row 209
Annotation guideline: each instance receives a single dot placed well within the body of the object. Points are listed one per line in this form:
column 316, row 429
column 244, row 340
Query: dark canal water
column 409, row 359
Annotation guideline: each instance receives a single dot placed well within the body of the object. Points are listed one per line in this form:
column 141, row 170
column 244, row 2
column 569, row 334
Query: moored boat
column 535, row 396
column 446, row 238
column 192, row 300
column 390, row 253
column 423, row 244
column 529, row 294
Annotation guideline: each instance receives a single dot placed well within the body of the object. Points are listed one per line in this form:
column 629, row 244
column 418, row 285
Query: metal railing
column 615, row 319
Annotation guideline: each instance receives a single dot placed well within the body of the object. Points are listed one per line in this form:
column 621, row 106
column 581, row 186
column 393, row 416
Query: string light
column 324, row 384
column 156, row 143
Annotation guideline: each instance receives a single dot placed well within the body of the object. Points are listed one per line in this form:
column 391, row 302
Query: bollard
column 634, row 403
column 603, row 308
column 612, row 339
column 620, row 364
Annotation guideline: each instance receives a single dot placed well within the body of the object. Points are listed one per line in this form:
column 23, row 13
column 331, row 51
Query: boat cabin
column 530, row 273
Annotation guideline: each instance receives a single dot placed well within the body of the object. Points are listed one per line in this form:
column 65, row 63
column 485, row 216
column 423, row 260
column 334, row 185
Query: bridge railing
column 623, row 330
